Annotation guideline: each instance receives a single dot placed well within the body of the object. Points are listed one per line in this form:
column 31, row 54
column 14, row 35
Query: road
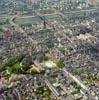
column 79, row 83
column 54, row 91
column 56, row 12
column 80, row 11
column 75, row 79
column 66, row 72
column 59, row 13
column 38, row 15
column 72, row 13
column 18, row 28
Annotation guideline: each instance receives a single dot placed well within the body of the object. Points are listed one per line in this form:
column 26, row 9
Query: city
column 49, row 50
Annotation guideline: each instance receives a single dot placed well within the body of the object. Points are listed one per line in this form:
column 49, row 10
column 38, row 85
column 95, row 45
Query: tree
column 1, row 30
column 13, row 60
column 17, row 68
column 60, row 63
column 7, row 20
column 62, row 50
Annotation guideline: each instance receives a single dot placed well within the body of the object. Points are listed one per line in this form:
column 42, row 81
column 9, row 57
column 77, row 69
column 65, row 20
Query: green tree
column 60, row 63
column 14, row 59
column 62, row 50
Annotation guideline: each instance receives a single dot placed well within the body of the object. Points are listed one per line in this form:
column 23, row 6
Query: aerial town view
column 49, row 49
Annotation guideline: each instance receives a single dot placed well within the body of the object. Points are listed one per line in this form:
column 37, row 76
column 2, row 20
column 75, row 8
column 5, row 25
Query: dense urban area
column 49, row 49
